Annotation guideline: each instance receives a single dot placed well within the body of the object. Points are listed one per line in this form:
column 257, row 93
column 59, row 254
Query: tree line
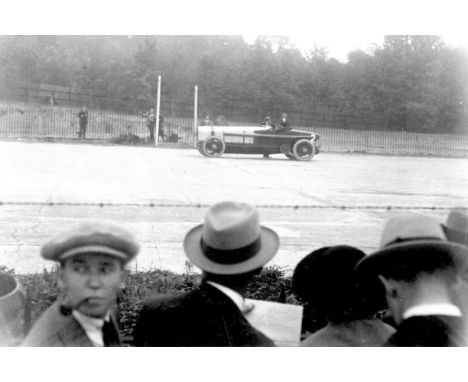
column 409, row 83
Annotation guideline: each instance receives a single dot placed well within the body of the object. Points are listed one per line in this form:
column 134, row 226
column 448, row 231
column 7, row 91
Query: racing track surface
column 51, row 172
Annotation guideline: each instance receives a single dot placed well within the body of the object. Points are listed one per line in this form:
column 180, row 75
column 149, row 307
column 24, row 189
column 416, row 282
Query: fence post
column 158, row 103
column 195, row 113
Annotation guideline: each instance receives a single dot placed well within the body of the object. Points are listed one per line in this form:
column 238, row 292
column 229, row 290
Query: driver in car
column 267, row 122
column 283, row 125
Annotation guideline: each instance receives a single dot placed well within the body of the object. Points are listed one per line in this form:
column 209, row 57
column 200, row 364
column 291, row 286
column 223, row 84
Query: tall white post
column 158, row 104
column 195, row 113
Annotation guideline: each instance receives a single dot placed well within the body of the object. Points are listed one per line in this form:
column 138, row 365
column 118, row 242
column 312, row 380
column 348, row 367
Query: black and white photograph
column 257, row 182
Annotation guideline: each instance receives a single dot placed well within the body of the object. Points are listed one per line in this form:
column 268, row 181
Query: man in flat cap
column 92, row 259
column 231, row 247
column 418, row 268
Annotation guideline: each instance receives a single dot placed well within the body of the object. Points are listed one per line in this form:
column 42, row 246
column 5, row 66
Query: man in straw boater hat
column 230, row 248
column 418, row 268
column 92, row 259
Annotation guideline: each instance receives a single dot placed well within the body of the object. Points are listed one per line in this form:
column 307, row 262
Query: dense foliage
column 271, row 285
column 412, row 83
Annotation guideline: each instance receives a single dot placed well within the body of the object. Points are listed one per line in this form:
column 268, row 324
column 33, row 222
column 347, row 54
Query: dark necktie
column 110, row 335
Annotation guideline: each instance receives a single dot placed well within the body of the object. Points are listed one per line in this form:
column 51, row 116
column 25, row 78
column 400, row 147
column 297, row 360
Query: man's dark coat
column 203, row 317
column 430, row 331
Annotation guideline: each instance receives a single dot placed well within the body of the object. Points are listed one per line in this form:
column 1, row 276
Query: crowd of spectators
column 411, row 291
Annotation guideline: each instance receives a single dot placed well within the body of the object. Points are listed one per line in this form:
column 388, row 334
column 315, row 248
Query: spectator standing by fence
column 83, row 121
column 151, row 123
column 161, row 127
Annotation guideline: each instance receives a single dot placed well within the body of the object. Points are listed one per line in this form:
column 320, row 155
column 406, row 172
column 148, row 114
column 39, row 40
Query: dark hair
column 232, row 281
column 326, row 279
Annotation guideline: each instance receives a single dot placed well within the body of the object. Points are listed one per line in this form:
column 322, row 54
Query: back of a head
column 238, row 282
column 326, row 280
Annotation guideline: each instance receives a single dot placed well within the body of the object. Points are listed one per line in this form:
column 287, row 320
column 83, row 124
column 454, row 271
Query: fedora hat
column 456, row 227
column 413, row 240
column 231, row 240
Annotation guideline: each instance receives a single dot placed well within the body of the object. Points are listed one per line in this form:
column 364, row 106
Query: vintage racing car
column 214, row 141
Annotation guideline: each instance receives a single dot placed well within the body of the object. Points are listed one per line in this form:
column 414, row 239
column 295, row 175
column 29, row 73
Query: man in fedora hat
column 230, row 248
column 418, row 268
column 326, row 282
column 92, row 259
column 456, row 227
column 11, row 303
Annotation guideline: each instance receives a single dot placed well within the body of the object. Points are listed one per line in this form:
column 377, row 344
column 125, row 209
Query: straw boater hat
column 456, row 227
column 413, row 239
column 231, row 240
column 97, row 236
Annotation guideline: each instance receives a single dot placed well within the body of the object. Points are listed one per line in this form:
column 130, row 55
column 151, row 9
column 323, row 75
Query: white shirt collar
column 443, row 309
column 92, row 326
column 232, row 294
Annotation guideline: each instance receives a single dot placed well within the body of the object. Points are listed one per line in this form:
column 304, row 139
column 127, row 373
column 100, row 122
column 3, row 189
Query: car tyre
column 303, row 150
column 290, row 156
column 213, row 147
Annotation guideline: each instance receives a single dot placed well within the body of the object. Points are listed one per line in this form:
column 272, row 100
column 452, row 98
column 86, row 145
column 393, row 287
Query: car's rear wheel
column 303, row 150
column 213, row 147
column 290, row 156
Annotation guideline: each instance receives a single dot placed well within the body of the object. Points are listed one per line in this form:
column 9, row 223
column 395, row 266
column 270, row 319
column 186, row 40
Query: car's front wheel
column 213, row 147
column 303, row 150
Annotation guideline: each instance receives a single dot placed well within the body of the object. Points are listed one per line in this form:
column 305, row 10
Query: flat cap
column 92, row 237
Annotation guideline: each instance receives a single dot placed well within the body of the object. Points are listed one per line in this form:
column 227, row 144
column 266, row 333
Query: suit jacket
column 433, row 330
column 203, row 317
column 355, row 333
column 57, row 329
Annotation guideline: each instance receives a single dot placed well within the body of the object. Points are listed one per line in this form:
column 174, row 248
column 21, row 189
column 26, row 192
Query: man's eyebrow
column 78, row 260
column 106, row 262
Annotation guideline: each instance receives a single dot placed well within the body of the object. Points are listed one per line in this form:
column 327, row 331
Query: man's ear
column 60, row 276
column 123, row 278
column 390, row 287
